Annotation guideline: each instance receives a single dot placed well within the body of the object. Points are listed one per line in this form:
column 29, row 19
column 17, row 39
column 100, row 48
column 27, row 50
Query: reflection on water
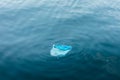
column 29, row 28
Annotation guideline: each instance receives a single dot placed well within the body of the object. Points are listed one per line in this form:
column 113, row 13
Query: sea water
column 29, row 28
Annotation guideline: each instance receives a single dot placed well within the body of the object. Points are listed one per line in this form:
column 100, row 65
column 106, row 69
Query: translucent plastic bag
column 60, row 50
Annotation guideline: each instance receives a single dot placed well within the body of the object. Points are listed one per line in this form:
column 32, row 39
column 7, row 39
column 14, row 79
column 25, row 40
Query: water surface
column 29, row 28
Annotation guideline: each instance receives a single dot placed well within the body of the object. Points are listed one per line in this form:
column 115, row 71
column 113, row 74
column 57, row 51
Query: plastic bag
column 60, row 50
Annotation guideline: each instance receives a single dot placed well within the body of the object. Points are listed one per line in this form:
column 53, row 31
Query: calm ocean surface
column 29, row 28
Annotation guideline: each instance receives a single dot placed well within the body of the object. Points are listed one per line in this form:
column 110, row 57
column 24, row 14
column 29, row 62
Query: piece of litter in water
column 60, row 50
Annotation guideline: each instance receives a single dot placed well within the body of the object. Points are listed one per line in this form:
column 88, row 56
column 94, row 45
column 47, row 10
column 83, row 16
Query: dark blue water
column 29, row 28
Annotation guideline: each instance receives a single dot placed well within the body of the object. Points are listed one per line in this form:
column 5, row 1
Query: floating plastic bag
column 60, row 50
